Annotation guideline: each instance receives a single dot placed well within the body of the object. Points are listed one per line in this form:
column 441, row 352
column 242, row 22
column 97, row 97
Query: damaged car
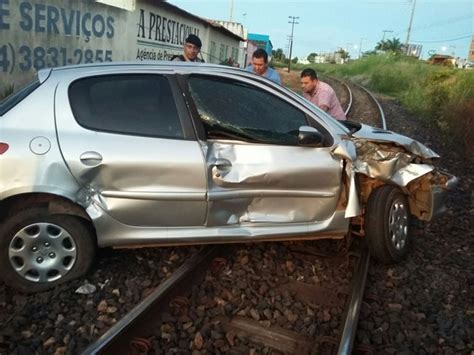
column 154, row 154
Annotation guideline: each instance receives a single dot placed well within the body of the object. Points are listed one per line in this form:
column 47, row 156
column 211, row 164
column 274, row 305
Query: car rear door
column 256, row 171
column 128, row 140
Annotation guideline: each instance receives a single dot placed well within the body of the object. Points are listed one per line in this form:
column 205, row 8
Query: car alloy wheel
column 398, row 224
column 387, row 220
column 42, row 252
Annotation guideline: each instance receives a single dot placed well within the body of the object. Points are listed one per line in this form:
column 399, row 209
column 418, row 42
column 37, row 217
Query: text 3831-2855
column 39, row 57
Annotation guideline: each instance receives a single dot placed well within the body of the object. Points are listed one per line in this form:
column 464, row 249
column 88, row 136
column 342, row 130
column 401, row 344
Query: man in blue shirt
column 260, row 66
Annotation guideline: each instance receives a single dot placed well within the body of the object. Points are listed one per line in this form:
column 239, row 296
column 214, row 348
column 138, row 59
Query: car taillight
column 3, row 147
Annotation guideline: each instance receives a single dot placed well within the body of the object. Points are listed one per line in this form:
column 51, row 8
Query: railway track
column 291, row 298
column 231, row 305
column 359, row 103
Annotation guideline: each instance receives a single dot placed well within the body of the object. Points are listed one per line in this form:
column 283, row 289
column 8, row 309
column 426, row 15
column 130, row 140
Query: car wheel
column 387, row 224
column 39, row 250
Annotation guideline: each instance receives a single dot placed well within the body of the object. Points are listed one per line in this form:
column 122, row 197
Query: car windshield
column 13, row 99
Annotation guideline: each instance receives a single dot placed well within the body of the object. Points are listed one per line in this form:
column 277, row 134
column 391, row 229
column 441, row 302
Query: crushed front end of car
column 376, row 157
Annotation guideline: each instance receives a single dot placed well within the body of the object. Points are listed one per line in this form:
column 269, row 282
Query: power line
column 443, row 22
column 445, row 40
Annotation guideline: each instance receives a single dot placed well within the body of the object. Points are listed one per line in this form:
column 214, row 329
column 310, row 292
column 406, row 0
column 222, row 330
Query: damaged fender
column 389, row 157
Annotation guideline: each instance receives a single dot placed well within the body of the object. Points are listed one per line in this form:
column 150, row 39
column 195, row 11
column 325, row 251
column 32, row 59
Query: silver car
column 132, row 155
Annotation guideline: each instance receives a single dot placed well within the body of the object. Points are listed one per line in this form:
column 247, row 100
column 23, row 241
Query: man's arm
column 325, row 108
column 324, row 99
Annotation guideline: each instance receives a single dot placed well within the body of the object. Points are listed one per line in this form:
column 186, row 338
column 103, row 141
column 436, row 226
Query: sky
column 441, row 26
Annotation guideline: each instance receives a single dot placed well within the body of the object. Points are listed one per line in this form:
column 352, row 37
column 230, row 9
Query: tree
column 312, row 57
column 390, row 45
column 343, row 53
column 294, row 60
column 367, row 53
column 278, row 55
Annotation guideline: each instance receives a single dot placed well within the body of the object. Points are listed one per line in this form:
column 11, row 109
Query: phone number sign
column 36, row 35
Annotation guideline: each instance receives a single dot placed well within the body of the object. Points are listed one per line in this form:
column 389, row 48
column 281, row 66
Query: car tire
column 387, row 220
column 39, row 250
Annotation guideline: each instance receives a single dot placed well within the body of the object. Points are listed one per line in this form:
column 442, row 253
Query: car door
column 128, row 140
column 256, row 171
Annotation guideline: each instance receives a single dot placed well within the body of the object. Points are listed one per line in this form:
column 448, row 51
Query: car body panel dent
column 264, row 183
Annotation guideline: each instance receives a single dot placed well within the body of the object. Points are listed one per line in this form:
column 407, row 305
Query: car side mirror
column 310, row 137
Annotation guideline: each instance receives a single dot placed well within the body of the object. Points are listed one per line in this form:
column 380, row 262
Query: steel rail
column 352, row 318
column 372, row 96
column 111, row 342
column 349, row 105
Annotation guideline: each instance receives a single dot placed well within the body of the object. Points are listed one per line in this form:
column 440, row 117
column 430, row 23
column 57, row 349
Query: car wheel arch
column 56, row 204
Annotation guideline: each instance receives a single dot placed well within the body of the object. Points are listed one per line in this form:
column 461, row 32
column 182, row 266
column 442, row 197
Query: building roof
column 207, row 22
column 442, row 56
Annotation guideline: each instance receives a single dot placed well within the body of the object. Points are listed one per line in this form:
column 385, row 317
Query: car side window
column 231, row 109
column 127, row 104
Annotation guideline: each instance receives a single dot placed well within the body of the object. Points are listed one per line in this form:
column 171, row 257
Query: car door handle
column 91, row 158
column 222, row 164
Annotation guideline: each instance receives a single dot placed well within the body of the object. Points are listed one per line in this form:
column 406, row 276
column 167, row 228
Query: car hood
column 374, row 134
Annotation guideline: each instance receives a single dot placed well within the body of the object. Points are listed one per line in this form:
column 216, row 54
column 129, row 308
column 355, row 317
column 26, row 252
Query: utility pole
column 348, row 50
column 293, row 23
column 360, row 47
column 409, row 26
column 231, row 10
column 287, row 47
column 383, row 37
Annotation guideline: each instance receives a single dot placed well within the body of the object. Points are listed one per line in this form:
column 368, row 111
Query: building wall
column 241, row 31
column 35, row 34
column 251, row 47
column 262, row 41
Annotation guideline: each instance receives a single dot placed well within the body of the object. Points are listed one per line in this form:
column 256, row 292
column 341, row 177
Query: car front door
column 257, row 173
column 125, row 138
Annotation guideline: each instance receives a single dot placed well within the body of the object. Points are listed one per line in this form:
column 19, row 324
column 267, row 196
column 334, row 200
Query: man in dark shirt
column 192, row 47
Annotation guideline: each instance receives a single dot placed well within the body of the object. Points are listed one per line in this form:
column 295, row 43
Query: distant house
column 261, row 41
column 238, row 55
column 251, row 47
column 442, row 59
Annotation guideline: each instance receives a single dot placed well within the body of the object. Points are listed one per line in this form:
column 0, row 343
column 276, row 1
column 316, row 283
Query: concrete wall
column 37, row 34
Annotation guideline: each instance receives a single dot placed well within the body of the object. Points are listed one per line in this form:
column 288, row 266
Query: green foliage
column 390, row 45
column 311, row 57
column 343, row 53
column 278, row 55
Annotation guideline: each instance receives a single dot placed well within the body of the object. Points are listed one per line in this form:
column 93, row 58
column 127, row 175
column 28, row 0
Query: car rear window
column 135, row 104
column 12, row 100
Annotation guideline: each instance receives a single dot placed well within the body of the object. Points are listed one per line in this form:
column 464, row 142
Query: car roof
column 159, row 65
